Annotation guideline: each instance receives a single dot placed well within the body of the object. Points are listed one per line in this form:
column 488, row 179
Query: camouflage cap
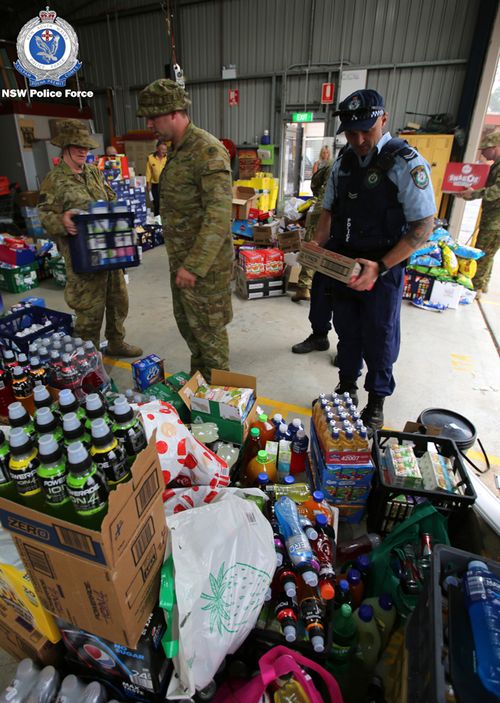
column 74, row 133
column 161, row 98
column 490, row 140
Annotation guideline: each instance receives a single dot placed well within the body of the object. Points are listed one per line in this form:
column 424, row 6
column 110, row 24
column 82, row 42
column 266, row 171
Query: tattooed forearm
column 419, row 232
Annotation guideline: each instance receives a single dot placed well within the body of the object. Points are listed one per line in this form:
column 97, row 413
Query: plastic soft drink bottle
column 481, row 590
column 19, row 417
column 261, row 464
column 342, row 594
column 296, row 542
column 317, row 505
column 23, row 362
column 7, row 486
column 46, row 423
column 68, row 403
column 282, row 432
column 385, row 615
column 22, row 684
column 86, row 487
column 287, row 618
column 52, row 477
column 279, row 543
column 6, row 394
column 252, row 447
column 277, row 420
column 300, row 444
column 128, row 429
column 294, row 426
column 74, row 431
column 46, row 686
column 38, row 373
column 344, row 636
column 108, row 455
column 356, row 586
column 267, row 429
column 323, row 549
column 23, row 467
column 349, row 549
column 311, row 613
column 44, row 356
column 369, row 636
column 70, row 377
column 94, row 409
column 22, row 388
column 286, row 579
column 42, row 398
column 9, row 362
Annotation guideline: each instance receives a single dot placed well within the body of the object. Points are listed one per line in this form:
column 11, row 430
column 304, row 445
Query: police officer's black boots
column 373, row 413
column 350, row 387
column 315, row 342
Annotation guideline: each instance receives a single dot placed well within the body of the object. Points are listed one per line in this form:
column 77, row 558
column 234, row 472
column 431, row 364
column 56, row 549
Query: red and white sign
column 234, row 97
column 327, row 93
column 458, row 176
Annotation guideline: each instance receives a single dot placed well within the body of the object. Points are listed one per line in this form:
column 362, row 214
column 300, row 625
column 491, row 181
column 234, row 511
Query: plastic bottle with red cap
column 323, row 550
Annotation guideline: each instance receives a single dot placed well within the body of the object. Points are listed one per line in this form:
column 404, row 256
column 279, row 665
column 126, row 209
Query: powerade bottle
column 52, row 477
column 74, row 431
column 86, row 487
column 38, row 373
column 481, row 589
column 22, row 387
column 68, row 403
column 23, row 467
column 7, row 486
column 108, row 454
column 296, row 542
column 19, row 417
column 286, row 615
column 70, row 376
column 311, row 613
column 9, row 362
column 46, row 423
column 44, row 356
column 94, row 409
column 43, row 399
column 128, row 429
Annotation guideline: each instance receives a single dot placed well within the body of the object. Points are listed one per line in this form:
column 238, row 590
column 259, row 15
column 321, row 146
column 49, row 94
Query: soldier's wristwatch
column 382, row 268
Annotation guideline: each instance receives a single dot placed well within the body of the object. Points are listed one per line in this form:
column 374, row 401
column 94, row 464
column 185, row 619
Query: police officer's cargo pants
column 202, row 314
column 92, row 294
column 367, row 324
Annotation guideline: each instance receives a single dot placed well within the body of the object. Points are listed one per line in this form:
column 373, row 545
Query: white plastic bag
column 175, row 500
column 182, row 457
column 224, row 561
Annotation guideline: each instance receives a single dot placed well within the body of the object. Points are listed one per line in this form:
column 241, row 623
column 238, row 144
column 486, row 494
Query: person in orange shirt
column 154, row 166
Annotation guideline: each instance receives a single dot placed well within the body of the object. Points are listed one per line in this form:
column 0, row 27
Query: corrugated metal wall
column 415, row 52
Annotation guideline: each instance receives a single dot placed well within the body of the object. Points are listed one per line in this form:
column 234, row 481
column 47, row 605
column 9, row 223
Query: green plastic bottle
column 344, row 637
column 46, row 423
column 108, row 454
column 74, row 431
column 94, row 409
column 20, row 417
column 86, row 487
column 7, row 485
column 23, row 465
column 52, row 477
column 68, row 403
column 128, row 429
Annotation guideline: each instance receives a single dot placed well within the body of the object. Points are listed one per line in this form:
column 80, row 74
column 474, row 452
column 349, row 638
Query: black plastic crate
column 426, row 645
column 103, row 250
column 11, row 325
column 388, row 505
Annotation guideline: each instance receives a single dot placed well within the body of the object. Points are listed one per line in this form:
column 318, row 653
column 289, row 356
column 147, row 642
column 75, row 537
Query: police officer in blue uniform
column 378, row 208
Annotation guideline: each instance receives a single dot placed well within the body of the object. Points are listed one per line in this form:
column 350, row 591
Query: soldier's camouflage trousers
column 92, row 294
column 488, row 241
column 202, row 314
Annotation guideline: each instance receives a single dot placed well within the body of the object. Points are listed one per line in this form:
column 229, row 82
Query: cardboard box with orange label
column 104, row 582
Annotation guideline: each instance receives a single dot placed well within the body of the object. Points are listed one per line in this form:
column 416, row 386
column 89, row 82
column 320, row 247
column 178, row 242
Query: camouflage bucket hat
column 74, row 133
column 162, row 97
column 490, row 140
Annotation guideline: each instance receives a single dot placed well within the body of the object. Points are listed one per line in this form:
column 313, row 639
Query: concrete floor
column 447, row 360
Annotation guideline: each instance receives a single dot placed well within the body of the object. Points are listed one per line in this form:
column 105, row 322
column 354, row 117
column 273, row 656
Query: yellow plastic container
column 17, row 592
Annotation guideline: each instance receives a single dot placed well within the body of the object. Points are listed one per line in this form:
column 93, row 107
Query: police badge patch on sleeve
column 420, row 177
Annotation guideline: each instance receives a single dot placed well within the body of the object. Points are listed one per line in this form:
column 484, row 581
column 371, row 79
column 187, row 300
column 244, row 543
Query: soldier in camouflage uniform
column 195, row 208
column 318, row 185
column 69, row 187
column 488, row 238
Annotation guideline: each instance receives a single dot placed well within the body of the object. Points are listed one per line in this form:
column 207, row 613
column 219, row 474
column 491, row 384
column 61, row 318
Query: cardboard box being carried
column 337, row 266
column 20, row 639
column 104, row 582
column 244, row 198
column 232, row 428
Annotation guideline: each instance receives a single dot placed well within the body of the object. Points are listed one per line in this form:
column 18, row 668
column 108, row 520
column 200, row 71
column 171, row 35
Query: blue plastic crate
column 12, row 325
column 104, row 250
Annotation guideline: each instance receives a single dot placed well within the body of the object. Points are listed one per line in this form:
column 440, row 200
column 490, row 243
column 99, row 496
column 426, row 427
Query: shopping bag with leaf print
column 224, row 560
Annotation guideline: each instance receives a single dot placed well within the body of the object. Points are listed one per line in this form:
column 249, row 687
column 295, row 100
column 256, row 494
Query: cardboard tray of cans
column 104, row 242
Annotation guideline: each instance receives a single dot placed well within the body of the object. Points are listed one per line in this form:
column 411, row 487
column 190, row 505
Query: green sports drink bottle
column 20, row 417
column 86, row 487
column 128, row 429
column 74, row 430
column 23, row 465
column 46, row 423
column 108, row 454
column 52, row 477
column 7, row 485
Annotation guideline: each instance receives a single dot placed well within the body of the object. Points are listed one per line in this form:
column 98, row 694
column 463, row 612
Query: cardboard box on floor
column 244, row 198
column 106, row 583
column 342, row 268
column 21, row 640
column 266, row 234
column 230, row 430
